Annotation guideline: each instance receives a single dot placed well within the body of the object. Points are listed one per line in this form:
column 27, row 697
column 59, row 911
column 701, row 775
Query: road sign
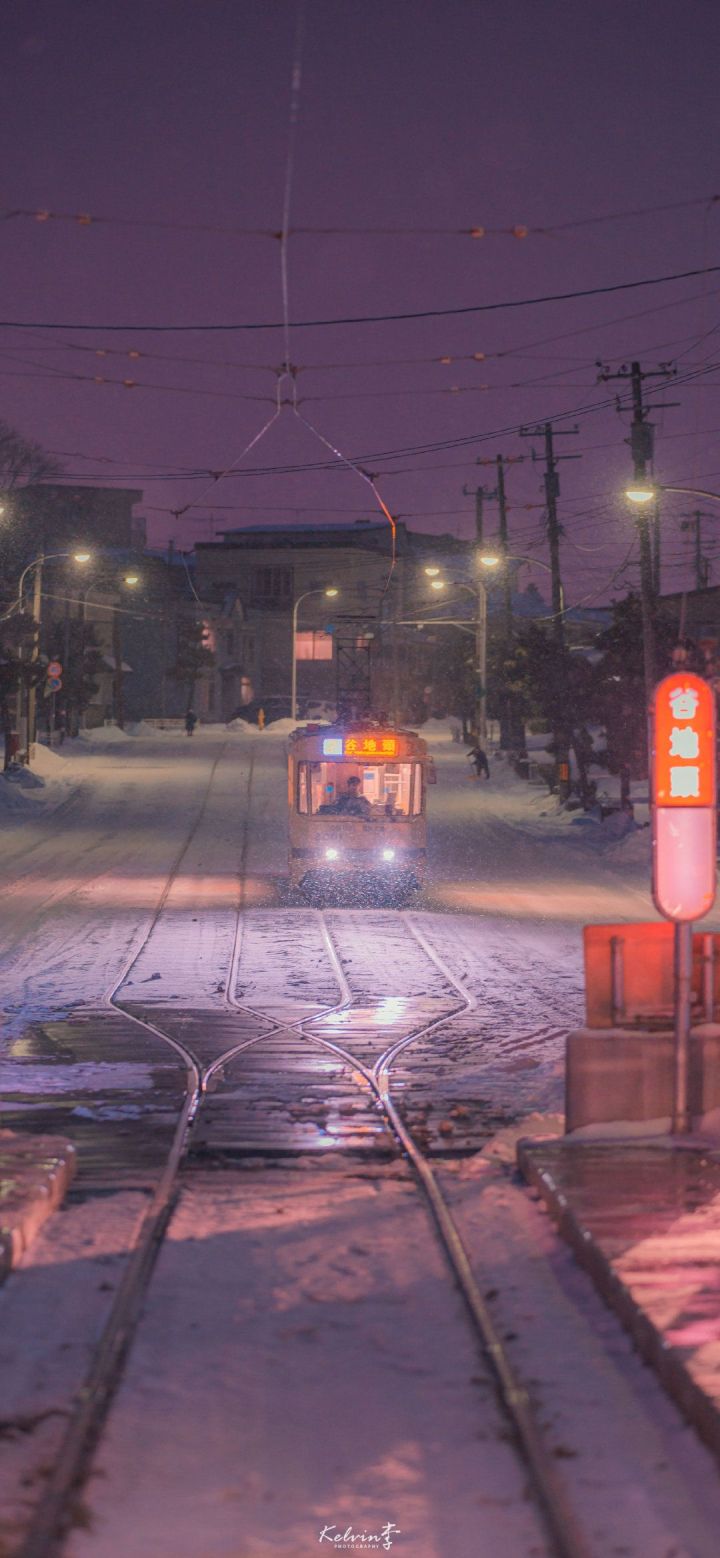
column 54, row 668
column 54, row 683
column 683, row 796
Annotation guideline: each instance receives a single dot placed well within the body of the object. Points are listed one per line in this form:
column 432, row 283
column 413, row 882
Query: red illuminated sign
column 684, row 742
column 371, row 746
column 683, row 796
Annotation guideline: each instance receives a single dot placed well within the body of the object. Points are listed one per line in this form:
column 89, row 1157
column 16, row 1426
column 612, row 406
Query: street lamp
column 643, row 493
column 80, row 557
column 329, row 592
column 130, row 581
column 480, row 594
column 492, row 560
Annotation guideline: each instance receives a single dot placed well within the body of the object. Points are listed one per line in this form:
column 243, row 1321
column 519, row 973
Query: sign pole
column 683, row 798
column 683, row 983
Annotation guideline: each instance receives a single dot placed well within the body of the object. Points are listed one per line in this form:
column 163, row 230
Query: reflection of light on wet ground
column 573, row 901
column 139, row 891
column 392, row 1009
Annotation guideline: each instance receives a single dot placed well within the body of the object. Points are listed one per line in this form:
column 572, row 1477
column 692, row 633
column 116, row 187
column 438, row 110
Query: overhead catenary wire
column 476, row 230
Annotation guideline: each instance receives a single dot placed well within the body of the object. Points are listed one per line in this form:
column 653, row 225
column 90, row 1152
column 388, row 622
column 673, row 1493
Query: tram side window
column 417, row 790
column 303, row 790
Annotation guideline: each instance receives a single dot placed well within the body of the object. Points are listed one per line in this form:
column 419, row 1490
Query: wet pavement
column 644, row 1220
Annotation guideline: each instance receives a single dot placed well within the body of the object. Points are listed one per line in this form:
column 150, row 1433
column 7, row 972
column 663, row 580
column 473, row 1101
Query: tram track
column 374, row 1077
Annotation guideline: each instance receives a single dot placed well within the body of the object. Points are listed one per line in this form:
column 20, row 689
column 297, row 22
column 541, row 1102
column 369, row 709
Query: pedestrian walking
column 477, row 756
column 261, row 719
column 190, row 721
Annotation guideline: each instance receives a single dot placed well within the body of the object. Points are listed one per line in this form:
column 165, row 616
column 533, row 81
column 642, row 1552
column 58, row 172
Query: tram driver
column 351, row 802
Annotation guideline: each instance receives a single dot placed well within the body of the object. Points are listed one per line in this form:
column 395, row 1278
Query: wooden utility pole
column 480, row 667
column 478, row 493
column 510, row 735
column 702, row 564
column 641, row 448
column 563, row 728
column 118, row 689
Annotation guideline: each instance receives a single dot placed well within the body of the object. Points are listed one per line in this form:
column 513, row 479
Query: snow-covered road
column 79, row 882
column 304, row 1316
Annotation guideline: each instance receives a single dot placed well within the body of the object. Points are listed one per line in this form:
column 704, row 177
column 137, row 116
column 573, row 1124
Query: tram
column 356, row 797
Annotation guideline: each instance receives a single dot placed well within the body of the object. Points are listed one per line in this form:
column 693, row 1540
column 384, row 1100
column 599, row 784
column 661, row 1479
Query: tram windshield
column 372, row 792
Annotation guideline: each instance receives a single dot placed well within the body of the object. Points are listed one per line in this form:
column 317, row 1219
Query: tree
column 17, row 671
column 192, row 654
column 542, row 678
column 74, row 643
column 23, row 462
column 619, row 682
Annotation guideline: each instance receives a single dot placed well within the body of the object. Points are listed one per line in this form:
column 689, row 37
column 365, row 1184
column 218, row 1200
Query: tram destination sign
column 360, row 745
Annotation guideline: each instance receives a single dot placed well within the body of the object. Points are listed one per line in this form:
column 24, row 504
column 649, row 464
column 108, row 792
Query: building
column 273, row 574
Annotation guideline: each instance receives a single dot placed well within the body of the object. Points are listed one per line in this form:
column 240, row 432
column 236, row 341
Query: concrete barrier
column 624, row 1074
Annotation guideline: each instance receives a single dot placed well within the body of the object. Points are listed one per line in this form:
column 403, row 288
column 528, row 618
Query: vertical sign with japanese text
column 683, row 796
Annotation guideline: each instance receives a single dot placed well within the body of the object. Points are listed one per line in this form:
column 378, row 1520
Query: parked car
column 315, row 709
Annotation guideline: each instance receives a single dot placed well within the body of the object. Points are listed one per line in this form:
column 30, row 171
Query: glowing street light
column 642, row 493
column 437, row 584
column 432, row 572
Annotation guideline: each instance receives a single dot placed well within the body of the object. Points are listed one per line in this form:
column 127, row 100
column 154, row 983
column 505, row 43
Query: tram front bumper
column 361, row 872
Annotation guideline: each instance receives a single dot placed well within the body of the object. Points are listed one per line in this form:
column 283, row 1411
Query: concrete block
column 615, row 1074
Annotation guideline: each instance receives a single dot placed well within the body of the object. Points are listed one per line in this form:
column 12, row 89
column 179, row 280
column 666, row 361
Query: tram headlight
column 331, row 854
column 388, row 854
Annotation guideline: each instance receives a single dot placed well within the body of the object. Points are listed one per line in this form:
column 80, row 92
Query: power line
column 366, row 319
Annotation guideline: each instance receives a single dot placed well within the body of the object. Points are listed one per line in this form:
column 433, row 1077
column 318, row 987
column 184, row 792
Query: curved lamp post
column 493, row 560
column 641, row 493
column 79, row 556
column 480, row 594
column 329, row 592
column 131, row 581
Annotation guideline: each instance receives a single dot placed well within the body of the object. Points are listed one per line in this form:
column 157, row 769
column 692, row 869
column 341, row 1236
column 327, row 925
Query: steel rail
column 564, row 1528
column 95, row 1396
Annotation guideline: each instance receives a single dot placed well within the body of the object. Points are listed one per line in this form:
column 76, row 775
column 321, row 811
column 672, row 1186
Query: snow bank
column 49, row 764
column 435, row 730
column 103, row 735
column 243, row 727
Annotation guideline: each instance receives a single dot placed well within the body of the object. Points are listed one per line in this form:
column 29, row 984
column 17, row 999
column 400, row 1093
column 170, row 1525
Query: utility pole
column 641, row 448
column 702, row 564
column 31, row 704
column 507, row 620
column 655, row 545
column 478, row 493
column 510, row 736
column 118, row 689
column 563, row 728
column 480, row 668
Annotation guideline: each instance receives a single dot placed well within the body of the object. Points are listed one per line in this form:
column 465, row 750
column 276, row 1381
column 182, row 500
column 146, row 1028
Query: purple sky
column 447, row 114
